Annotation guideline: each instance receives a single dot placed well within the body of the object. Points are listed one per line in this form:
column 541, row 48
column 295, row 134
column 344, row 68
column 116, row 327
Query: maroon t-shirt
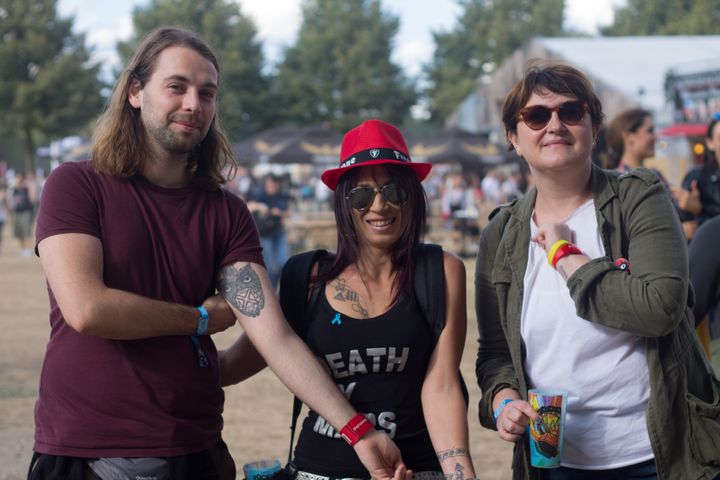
column 138, row 398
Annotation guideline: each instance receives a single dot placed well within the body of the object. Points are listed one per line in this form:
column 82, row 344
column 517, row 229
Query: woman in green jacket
column 582, row 285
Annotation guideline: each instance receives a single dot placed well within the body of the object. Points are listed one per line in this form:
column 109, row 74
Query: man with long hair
column 134, row 244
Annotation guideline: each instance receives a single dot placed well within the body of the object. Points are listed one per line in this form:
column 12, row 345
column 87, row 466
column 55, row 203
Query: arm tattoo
column 345, row 294
column 453, row 452
column 457, row 475
column 242, row 289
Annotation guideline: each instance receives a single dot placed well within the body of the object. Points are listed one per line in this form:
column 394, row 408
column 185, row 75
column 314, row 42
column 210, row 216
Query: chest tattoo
column 345, row 294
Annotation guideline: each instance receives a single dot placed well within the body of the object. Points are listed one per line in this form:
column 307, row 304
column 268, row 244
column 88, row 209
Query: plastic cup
column 546, row 434
column 261, row 469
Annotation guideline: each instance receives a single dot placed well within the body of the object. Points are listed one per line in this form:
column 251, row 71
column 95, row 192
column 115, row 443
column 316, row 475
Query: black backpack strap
column 429, row 280
column 429, row 287
column 294, row 286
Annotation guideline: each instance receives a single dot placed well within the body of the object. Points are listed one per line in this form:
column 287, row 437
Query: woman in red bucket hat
column 363, row 319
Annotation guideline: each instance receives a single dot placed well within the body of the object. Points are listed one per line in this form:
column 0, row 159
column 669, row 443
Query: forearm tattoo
column 242, row 289
column 457, row 474
column 345, row 294
column 453, row 452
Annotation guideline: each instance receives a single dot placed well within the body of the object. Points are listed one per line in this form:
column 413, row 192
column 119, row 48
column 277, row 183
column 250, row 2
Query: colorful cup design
column 546, row 434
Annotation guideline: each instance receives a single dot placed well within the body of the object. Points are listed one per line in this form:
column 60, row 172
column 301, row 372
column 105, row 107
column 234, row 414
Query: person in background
column 134, row 244
column 3, row 210
column 270, row 207
column 630, row 139
column 492, row 187
column 700, row 192
column 575, row 289
column 704, row 258
column 23, row 198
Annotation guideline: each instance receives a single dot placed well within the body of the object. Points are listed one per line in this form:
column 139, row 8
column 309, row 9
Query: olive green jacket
column 637, row 221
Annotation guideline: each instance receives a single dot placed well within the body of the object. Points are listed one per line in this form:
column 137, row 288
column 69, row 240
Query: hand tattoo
column 242, row 289
column 453, row 452
column 345, row 294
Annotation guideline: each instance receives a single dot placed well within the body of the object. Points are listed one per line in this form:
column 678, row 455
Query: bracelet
column 355, row 428
column 202, row 321
column 564, row 251
column 499, row 409
column 553, row 249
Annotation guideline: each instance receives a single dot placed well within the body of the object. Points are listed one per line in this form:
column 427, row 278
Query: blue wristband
column 202, row 321
column 499, row 409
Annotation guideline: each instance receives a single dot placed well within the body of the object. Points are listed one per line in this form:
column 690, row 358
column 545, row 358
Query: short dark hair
column 405, row 250
column 554, row 77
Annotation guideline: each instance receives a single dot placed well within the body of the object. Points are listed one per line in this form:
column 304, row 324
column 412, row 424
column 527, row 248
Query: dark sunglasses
column 362, row 197
column 538, row 116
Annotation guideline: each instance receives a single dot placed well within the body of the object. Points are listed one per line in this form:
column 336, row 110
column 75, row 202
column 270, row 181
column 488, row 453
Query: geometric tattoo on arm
column 453, row 452
column 242, row 289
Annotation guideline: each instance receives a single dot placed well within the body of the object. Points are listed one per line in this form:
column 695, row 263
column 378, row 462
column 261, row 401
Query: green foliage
column 666, row 17
column 340, row 69
column 49, row 87
column 244, row 90
column 487, row 32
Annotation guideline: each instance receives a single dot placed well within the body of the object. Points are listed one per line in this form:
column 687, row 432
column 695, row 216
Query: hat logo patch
column 374, row 153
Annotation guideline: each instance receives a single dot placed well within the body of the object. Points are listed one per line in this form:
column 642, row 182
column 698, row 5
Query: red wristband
column 355, row 429
column 564, row 251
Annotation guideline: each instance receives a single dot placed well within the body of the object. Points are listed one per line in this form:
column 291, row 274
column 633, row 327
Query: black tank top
column 380, row 364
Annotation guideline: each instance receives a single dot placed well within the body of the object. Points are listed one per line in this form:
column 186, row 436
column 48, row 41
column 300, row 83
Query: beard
column 159, row 130
column 167, row 139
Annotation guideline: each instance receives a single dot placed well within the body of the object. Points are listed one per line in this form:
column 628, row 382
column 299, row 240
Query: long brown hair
column 120, row 143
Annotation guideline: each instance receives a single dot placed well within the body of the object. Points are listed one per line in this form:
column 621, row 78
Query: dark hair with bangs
column 406, row 248
column 550, row 76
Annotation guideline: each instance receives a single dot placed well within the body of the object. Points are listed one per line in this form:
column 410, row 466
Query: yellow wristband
column 554, row 249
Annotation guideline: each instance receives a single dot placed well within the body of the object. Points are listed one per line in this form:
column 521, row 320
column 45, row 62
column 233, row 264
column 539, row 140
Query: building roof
column 636, row 66
column 625, row 71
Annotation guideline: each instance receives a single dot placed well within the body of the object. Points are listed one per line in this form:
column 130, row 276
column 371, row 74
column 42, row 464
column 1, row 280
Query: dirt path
column 257, row 412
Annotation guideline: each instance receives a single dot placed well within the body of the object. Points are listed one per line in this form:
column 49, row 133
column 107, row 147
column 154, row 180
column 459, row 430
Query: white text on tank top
column 604, row 370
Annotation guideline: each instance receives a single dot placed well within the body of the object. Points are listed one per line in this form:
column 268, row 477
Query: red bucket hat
column 373, row 142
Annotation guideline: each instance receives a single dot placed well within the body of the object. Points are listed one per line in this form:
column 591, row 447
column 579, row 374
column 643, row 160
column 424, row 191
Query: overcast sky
column 278, row 22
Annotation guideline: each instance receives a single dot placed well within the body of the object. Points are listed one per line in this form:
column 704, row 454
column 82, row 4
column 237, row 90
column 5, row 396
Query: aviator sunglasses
column 538, row 116
column 362, row 197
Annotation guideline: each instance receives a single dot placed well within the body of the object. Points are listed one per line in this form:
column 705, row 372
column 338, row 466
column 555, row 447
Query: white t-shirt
column 604, row 370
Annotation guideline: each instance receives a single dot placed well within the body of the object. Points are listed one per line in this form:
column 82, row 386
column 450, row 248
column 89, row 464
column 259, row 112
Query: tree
column 340, row 70
column 487, row 32
column 49, row 87
column 666, row 17
column 244, row 90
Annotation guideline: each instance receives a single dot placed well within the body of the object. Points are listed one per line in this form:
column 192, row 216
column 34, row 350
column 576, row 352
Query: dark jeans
column 639, row 471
